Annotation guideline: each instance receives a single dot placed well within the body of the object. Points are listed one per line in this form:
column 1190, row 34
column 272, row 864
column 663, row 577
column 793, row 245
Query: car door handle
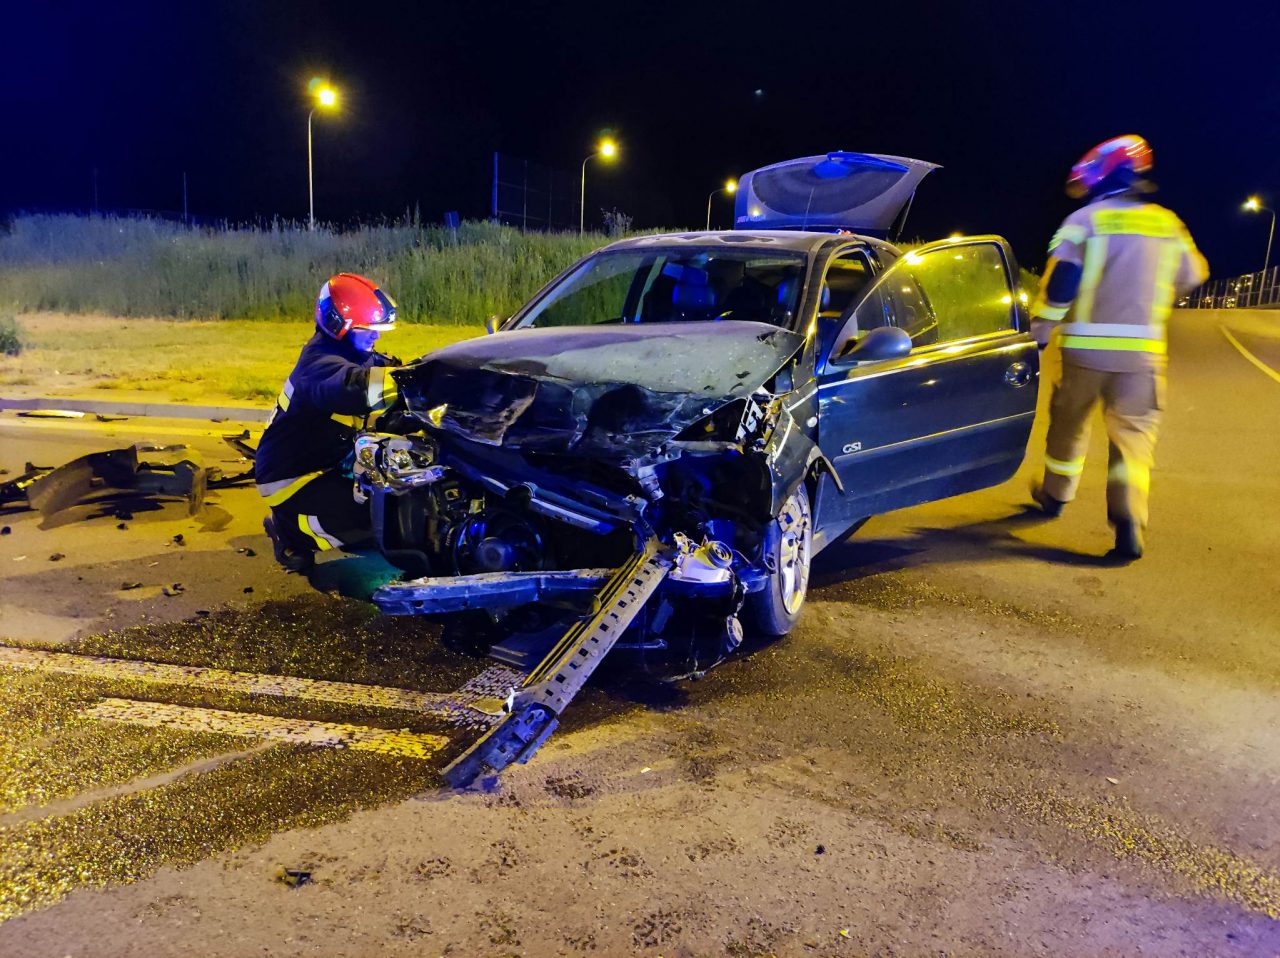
column 1019, row 374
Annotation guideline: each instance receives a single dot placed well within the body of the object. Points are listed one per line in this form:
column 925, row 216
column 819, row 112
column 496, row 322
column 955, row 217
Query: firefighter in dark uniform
column 339, row 385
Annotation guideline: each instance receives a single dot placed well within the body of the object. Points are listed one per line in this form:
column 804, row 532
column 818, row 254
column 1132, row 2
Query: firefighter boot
column 294, row 557
column 1051, row 507
column 1128, row 540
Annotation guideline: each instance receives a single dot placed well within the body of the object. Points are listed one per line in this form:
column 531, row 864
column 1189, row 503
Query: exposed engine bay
column 518, row 488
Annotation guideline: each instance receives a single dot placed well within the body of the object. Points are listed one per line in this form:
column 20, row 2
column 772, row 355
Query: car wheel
column 775, row 609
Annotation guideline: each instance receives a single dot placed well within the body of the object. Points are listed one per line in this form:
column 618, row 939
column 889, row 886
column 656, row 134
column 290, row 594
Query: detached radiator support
column 534, row 707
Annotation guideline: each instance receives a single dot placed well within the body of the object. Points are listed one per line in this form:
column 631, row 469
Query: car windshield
column 675, row 286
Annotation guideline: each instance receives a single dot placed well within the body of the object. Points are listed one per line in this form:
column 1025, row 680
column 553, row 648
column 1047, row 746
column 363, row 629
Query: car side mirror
column 883, row 342
column 491, row 325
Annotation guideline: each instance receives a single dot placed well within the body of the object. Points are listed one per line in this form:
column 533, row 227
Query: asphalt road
column 983, row 738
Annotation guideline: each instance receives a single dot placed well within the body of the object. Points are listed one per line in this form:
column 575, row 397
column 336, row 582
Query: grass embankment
column 236, row 360
column 147, row 267
column 68, row 276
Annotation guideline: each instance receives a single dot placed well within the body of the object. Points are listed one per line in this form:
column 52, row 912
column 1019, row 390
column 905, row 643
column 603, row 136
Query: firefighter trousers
column 322, row 515
column 1131, row 407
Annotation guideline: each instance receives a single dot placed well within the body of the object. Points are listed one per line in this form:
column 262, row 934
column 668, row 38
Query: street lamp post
column 1254, row 205
column 326, row 97
column 730, row 187
column 608, row 149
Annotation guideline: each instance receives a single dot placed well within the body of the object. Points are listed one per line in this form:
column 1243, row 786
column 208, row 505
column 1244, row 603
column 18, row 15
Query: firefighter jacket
column 330, row 394
column 1116, row 267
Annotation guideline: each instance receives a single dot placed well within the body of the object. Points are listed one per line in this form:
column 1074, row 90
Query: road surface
column 983, row 739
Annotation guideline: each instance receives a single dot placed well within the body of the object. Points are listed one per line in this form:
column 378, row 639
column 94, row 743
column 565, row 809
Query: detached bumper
column 490, row 590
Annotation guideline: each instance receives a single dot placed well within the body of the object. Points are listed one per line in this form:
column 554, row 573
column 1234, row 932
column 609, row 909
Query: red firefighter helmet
column 1122, row 160
column 349, row 302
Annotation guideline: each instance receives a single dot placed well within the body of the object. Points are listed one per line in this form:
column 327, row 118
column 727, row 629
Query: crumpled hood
column 592, row 390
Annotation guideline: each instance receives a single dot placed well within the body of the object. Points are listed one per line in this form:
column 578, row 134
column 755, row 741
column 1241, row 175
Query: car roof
column 802, row 241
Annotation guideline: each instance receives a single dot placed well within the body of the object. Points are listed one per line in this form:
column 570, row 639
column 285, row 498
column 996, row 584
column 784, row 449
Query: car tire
column 775, row 609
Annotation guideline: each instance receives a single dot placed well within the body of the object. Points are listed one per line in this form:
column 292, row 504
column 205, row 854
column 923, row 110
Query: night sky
column 1004, row 95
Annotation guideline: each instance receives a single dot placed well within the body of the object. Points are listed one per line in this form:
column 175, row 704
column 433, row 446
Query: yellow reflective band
column 1130, row 474
column 322, row 541
column 1045, row 311
column 1095, row 257
column 277, row 492
column 1141, row 221
column 1060, row 467
column 390, row 393
column 286, row 394
column 351, row 422
column 1166, row 269
column 1067, row 233
column 1126, row 344
column 377, row 381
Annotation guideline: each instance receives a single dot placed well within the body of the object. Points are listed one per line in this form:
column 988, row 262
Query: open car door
column 928, row 388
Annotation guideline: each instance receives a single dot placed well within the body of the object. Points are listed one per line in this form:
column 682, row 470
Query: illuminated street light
column 1254, row 205
column 327, row 98
column 956, row 236
column 730, row 187
column 607, row 149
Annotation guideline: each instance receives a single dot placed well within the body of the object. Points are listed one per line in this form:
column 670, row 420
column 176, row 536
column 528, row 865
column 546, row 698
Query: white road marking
column 1249, row 356
column 455, row 706
column 131, row 426
column 296, row 731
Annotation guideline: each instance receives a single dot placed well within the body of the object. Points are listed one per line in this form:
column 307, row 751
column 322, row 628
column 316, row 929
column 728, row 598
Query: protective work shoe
column 1050, row 506
column 292, row 558
column 1128, row 540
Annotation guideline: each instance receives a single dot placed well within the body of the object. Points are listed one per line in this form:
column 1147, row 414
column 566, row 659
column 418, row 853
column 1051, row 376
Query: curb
column 163, row 410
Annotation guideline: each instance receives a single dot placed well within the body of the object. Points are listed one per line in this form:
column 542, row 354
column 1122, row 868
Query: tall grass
column 150, row 267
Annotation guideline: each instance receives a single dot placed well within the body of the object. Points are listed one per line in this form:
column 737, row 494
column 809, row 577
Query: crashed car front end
column 528, row 480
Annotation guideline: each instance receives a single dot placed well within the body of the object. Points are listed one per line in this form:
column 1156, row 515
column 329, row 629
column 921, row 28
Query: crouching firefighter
column 1115, row 268
column 340, row 382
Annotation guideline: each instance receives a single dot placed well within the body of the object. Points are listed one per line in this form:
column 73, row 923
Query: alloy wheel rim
column 793, row 552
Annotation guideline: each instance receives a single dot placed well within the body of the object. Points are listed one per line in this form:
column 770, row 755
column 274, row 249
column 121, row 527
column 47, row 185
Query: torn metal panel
column 176, row 471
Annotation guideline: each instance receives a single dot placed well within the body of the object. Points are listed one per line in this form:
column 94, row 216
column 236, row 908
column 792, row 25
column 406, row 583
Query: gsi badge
column 852, row 447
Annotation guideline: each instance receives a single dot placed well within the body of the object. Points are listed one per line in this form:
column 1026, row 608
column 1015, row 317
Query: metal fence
column 1260, row 290
column 532, row 196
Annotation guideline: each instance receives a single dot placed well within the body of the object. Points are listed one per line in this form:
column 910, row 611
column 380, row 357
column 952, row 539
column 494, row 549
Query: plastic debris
column 5, row 531
column 126, row 586
column 122, row 525
column 52, row 414
column 820, row 850
column 248, row 589
column 293, row 877
column 172, row 590
column 57, row 557
column 179, row 540
column 1113, row 781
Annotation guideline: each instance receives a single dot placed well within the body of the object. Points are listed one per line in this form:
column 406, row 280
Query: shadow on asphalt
column 854, row 558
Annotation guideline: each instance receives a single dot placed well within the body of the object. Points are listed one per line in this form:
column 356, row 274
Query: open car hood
column 611, row 391
column 868, row 193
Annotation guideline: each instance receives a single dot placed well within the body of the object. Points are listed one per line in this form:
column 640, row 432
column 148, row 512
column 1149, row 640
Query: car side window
column 968, row 288
column 911, row 310
column 940, row 295
column 843, row 285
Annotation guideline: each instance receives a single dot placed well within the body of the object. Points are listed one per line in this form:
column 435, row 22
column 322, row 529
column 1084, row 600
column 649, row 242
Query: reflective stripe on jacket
column 1134, row 259
column 330, row 394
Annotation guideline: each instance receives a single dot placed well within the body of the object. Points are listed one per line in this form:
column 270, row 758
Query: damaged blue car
column 649, row 454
